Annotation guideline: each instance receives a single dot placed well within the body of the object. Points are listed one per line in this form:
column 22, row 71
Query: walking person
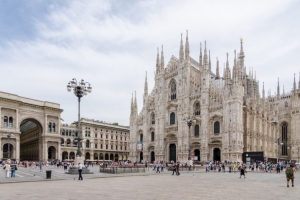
column 41, row 166
column 290, row 173
column 278, row 168
column 157, row 167
column 7, row 169
column 80, row 171
column 242, row 171
column 177, row 169
column 174, row 169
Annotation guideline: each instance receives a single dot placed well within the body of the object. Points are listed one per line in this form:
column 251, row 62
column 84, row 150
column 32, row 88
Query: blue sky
column 111, row 44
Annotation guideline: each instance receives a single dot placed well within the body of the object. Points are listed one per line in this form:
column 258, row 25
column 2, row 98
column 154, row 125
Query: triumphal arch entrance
column 29, row 128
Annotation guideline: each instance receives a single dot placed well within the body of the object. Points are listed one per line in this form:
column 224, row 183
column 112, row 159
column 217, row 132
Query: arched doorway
column 72, row 155
column 111, row 157
column 65, row 155
column 95, row 156
column 87, row 156
column 172, row 151
column 7, row 154
column 152, row 156
column 51, row 153
column 217, row 154
column 101, row 156
column 141, row 156
column 106, row 157
column 197, row 154
column 30, row 140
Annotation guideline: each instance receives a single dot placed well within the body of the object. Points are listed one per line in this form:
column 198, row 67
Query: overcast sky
column 111, row 44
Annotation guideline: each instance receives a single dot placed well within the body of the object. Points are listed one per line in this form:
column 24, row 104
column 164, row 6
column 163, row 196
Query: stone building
column 230, row 114
column 101, row 140
column 38, row 134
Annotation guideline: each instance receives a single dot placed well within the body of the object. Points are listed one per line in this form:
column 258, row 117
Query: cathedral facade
column 229, row 114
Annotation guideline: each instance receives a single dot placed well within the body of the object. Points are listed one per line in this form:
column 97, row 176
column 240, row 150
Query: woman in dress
column 242, row 171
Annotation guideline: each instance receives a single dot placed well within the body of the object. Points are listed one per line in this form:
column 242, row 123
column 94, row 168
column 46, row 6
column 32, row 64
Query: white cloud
column 112, row 44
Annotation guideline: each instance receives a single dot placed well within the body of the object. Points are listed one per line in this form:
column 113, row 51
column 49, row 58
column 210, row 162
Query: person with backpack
column 290, row 171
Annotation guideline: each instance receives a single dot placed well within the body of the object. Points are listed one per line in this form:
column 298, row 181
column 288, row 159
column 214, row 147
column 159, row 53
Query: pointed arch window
column 217, row 127
column 141, row 137
column 172, row 118
column 152, row 137
column 197, row 109
column 5, row 120
column 173, row 90
column 284, row 138
column 152, row 118
column 197, row 130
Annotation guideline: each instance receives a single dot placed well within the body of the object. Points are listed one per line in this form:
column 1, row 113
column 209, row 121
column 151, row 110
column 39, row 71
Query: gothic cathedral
column 229, row 115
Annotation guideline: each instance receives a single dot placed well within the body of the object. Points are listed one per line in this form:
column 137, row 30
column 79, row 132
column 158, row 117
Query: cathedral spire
column 200, row 57
column 157, row 62
column 135, row 103
column 278, row 88
column 283, row 90
column 162, row 59
column 217, row 70
column 181, row 53
column 146, row 86
column 242, row 55
column 294, row 86
column 263, row 90
column 205, row 54
column 299, row 84
column 209, row 62
column 187, row 47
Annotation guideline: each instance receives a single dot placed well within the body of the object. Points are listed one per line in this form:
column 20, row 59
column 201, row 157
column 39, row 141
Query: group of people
column 10, row 168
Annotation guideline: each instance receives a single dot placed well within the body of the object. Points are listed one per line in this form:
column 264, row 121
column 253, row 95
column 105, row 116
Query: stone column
column 17, row 120
column 0, row 121
column 58, row 152
column 45, row 155
column 18, row 148
column 58, row 125
column 1, row 148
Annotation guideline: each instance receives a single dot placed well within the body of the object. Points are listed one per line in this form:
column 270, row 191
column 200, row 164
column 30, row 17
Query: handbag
column 4, row 167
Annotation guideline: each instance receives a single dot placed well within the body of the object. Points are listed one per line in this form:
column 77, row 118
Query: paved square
column 198, row 185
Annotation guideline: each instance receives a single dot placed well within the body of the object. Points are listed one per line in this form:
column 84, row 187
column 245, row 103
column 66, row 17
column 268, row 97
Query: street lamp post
column 8, row 145
column 80, row 89
column 189, row 122
column 278, row 143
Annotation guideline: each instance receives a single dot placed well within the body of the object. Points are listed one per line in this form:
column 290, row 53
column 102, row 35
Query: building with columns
column 230, row 115
column 38, row 134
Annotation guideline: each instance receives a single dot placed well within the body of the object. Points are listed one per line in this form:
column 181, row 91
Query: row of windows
column 87, row 134
column 8, row 122
column 51, row 127
column 105, row 130
column 88, row 144
column 152, row 137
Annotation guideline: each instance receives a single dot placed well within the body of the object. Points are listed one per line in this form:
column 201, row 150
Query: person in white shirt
column 80, row 171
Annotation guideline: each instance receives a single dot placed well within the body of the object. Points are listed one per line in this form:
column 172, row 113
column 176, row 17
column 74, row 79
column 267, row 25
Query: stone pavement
column 161, row 186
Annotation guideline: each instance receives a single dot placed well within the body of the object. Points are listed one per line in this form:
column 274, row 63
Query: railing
column 118, row 170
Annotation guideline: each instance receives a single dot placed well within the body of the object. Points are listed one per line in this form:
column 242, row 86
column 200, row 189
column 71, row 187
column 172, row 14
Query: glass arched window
column 67, row 132
column 10, row 122
column 5, row 120
column 49, row 127
column 216, row 127
column 53, row 127
column 173, row 90
column 197, row 109
column 172, row 118
column 62, row 141
column 197, row 130
column 87, row 145
column 63, row 132
column 152, row 136
column 152, row 118
column 284, row 136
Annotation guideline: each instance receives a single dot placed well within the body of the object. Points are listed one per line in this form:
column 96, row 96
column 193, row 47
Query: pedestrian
column 80, row 171
column 41, row 166
column 290, row 172
column 157, row 167
column 13, row 168
column 278, row 168
column 242, row 171
column 7, row 169
column 177, row 169
column 174, row 169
